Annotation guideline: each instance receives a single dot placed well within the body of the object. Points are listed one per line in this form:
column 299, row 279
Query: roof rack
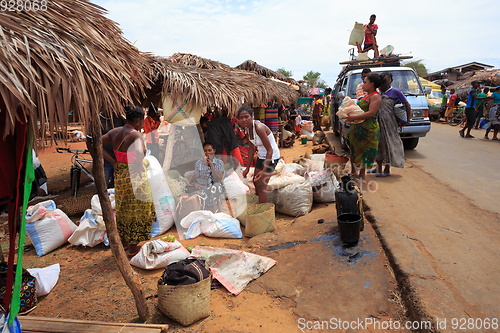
column 389, row 61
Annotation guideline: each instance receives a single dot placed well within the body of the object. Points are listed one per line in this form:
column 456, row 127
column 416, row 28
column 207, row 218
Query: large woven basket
column 185, row 304
column 259, row 219
column 238, row 206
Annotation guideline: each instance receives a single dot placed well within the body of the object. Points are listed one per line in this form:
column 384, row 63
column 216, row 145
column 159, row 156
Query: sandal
column 486, row 138
column 469, row 136
column 461, row 133
column 383, row 175
column 374, row 170
column 494, row 138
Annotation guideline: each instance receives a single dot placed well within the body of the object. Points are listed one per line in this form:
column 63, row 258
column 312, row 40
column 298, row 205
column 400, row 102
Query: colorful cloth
column 364, row 138
column 360, row 92
column 135, row 211
column 151, row 130
column 390, row 148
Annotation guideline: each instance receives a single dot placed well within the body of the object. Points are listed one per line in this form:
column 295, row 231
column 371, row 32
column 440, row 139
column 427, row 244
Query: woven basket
column 185, row 304
column 76, row 206
column 260, row 219
column 238, row 206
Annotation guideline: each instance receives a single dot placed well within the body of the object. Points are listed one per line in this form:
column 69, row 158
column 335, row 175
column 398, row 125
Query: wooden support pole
column 170, row 147
column 131, row 278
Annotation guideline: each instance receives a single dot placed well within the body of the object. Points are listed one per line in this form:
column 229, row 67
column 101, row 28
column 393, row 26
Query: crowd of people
column 482, row 104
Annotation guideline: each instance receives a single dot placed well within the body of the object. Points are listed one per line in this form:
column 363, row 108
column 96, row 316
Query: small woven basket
column 185, row 304
column 259, row 219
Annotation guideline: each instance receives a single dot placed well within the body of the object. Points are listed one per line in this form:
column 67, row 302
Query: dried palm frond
column 197, row 61
column 223, row 87
column 69, row 57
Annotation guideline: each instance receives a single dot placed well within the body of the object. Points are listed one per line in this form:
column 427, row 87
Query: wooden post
column 170, row 147
column 131, row 278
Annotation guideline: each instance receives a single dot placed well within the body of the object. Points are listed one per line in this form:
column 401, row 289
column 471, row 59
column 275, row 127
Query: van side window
column 353, row 83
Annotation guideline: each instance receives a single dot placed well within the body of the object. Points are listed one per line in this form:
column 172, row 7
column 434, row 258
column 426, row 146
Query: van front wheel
column 410, row 143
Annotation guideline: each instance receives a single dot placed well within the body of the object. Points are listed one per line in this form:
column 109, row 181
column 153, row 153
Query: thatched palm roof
column 219, row 86
column 252, row 66
column 484, row 75
column 67, row 58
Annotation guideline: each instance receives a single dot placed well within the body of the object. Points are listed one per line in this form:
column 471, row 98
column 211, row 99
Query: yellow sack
column 357, row 34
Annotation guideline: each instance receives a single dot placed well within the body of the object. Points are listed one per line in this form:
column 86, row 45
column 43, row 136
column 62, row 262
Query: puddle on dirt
column 353, row 254
column 287, row 245
column 348, row 255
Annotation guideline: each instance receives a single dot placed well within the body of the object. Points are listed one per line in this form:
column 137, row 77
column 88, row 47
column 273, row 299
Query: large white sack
column 205, row 222
column 324, row 185
column 295, row 168
column 357, row 34
column 162, row 197
column 282, row 180
column 310, row 135
column 46, row 278
column 234, row 186
column 306, row 125
column 48, row 227
column 96, row 204
column 90, row 232
column 158, row 254
column 293, row 200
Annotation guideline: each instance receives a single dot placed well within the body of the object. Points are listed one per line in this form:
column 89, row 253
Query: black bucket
column 349, row 225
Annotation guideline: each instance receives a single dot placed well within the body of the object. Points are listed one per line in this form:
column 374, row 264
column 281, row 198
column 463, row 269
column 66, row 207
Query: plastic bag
column 349, row 106
column 158, row 254
column 162, row 197
column 310, row 135
column 357, row 34
column 324, row 185
column 46, row 278
column 48, row 227
column 205, row 222
column 293, row 200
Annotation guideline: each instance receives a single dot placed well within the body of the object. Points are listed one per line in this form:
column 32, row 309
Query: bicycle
column 457, row 117
column 76, row 168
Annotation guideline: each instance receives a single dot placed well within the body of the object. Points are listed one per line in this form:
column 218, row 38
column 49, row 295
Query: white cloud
column 301, row 35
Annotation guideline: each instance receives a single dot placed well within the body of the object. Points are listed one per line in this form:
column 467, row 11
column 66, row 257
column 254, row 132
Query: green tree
column 313, row 80
column 418, row 66
column 284, row 72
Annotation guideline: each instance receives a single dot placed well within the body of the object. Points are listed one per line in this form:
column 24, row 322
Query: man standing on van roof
column 370, row 40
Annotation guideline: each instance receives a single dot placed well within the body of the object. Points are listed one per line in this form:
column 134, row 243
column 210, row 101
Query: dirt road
column 438, row 219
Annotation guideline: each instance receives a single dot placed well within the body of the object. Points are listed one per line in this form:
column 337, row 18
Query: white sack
column 293, row 200
column 158, row 254
column 324, row 185
column 205, row 222
column 90, row 232
column 46, row 278
column 234, row 186
column 96, row 204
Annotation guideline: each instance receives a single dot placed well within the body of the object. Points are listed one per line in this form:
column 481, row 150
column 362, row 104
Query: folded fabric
column 184, row 272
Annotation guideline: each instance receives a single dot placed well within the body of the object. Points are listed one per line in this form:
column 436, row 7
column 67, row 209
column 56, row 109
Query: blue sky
column 300, row 37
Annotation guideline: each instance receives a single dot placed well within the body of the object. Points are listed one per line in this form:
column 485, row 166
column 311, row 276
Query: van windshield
column 436, row 94
column 406, row 81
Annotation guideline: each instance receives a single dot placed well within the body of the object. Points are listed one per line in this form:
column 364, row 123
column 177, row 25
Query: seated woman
column 208, row 173
column 135, row 211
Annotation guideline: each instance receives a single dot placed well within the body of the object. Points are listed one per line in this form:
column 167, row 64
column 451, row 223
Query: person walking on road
column 481, row 106
column 451, row 103
column 318, row 108
column 470, row 110
column 494, row 115
column 390, row 148
column 364, row 137
column 444, row 104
